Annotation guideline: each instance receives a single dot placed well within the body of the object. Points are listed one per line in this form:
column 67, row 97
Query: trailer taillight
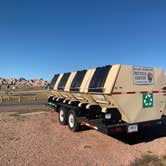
column 118, row 129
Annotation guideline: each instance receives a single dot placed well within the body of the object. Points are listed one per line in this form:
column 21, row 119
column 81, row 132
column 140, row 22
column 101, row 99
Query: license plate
column 132, row 128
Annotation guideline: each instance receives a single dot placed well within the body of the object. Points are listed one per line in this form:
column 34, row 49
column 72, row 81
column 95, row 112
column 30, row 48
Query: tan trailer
column 164, row 93
column 118, row 96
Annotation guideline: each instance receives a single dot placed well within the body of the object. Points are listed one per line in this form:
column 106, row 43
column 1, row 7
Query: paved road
column 22, row 104
column 18, row 106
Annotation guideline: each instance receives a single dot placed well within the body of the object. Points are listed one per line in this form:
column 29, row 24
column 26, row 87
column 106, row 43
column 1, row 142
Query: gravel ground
column 39, row 140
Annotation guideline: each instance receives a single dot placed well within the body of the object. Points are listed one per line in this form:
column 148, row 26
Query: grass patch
column 23, row 99
column 25, row 96
column 87, row 147
column 164, row 158
column 149, row 151
column 148, row 160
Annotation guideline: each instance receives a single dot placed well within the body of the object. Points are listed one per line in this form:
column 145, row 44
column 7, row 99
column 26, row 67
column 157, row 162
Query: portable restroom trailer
column 164, row 93
column 110, row 97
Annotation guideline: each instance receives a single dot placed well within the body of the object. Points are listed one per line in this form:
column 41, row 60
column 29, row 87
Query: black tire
column 62, row 115
column 73, row 123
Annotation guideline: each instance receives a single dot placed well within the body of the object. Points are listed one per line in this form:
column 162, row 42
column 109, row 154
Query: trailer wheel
column 73, row 121
column 63, row 115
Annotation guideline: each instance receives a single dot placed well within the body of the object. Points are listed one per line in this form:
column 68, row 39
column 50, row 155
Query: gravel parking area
column 39, row 140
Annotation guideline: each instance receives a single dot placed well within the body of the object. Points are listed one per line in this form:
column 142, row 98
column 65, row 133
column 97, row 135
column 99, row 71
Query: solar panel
column 76, row 83
column 63, row 81
column 98, row 80
column 53, row 81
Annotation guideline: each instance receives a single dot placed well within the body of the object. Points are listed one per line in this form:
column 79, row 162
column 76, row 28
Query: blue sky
column 41, row 38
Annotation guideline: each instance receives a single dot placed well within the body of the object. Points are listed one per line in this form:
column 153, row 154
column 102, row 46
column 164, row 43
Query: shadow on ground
column 145, row 135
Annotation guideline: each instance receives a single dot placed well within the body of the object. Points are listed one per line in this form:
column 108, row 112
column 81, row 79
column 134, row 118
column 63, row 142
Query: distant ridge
column 24, row 83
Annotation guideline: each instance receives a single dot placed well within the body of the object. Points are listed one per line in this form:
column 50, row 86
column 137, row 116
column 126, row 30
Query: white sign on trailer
column 143, row 75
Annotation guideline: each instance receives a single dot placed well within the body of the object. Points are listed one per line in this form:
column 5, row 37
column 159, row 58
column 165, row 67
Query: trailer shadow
column 145, row 135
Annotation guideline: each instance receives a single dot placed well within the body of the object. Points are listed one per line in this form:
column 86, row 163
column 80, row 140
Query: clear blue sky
column 39, row 38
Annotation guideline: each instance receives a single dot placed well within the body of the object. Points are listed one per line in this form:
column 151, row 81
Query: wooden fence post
column 19, row 99
column 1, row 99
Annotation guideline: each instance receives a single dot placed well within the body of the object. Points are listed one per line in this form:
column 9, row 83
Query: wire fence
column 19, row 99
column 23, row 97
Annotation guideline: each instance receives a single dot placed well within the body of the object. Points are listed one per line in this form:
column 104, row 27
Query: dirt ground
column 37, row 139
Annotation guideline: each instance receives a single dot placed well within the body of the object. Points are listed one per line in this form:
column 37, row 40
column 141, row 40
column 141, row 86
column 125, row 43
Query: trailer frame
column 94, row 119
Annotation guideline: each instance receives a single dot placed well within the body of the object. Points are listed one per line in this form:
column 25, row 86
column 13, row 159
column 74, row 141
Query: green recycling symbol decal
column 147, row 100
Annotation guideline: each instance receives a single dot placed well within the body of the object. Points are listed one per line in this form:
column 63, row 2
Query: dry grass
column 148, row 160
column 25, row 96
